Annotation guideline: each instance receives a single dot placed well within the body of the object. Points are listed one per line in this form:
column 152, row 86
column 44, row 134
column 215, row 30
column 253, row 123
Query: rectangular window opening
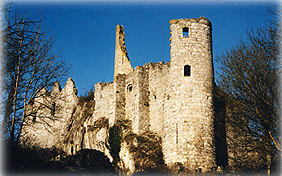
column 187, row 70
column 185, row 32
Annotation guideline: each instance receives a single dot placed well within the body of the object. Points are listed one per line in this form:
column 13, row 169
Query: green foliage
column 115, row 140
column 116, row 137
column 145, row 148
column 36, row 161
column 147, row 152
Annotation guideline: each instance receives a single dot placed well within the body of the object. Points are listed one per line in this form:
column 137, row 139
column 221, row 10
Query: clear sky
column 84, row 32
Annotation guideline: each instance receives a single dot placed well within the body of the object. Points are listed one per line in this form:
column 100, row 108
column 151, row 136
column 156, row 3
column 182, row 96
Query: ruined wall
column 119, row 98
column 141, row 122
column 158, row 74
column 104, row 102
column 130, row 96
column 96, row 135
column 74, row 133
column 188, row 133
column 173, row 100
column 144, row 97
column 122, row 63
column 136, row 99
column 47, row 114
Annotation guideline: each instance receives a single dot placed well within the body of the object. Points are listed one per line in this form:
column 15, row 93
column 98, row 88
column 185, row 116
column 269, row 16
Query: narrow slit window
column 176, row 133
column 53, row 109
column 33, row 114
column 187, row 70
column 185, row 32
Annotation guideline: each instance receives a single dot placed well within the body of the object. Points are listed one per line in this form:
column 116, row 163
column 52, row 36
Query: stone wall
column 173, row 100
column 119, row 98
column 122, row 63
column 158, row 75
column 47, row 114
column 141, row 122
column 104, row 102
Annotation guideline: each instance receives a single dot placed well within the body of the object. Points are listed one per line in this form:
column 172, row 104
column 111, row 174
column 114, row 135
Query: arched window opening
column 129, row 88
column 185, row 31
column 187, row 70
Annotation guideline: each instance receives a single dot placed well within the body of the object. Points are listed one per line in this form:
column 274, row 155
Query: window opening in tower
column 176, row 133
column 187, row 70
column 129, row 88
column 185, row 32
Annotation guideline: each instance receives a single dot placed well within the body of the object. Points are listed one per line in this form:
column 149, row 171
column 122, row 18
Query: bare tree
column 249, row 75
column 28, row 65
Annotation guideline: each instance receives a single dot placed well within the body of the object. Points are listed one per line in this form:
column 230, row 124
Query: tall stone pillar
column 122, row 63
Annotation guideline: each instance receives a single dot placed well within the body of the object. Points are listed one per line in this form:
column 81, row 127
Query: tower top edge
column 201, row 20
column 119, row 26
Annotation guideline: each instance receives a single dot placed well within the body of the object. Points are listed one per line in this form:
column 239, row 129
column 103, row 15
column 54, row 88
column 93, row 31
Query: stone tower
column 122, row 63
column 188, row 130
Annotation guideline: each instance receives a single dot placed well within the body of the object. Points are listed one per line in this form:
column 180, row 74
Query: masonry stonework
column 174, row 100
column 188, row 123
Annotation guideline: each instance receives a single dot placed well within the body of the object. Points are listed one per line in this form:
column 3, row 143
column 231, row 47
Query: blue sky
column 84, row 32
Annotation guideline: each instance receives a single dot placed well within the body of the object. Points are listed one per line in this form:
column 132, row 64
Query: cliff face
column 47, row 115
column 60, row 120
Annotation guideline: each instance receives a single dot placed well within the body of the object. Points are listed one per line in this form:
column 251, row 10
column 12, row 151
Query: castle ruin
column 173, row 100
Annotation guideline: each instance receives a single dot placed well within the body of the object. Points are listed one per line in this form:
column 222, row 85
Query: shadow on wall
column 220, row 129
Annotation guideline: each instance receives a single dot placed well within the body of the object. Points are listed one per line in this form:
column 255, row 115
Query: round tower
column 188, row 131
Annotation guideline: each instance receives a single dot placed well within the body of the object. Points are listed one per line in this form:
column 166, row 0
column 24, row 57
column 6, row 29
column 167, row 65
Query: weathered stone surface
column 126, row 163
column 122, row 63
column 47, row 114
column 188, row 133
column 173, row 100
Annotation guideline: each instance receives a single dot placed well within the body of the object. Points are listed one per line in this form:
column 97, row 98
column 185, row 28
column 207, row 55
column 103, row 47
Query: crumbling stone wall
column 140, row 122
column 122, row 63
column 173, row 100
column 47, row 114
column 104, row 102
